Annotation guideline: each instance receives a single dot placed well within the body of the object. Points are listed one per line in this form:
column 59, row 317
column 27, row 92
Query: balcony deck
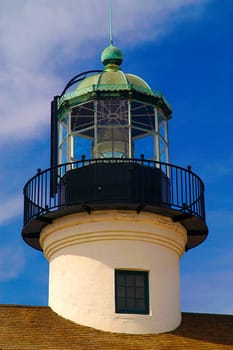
column 114, row 183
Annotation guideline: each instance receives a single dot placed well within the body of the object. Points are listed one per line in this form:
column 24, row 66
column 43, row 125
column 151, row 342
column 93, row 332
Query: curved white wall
column 84, row 251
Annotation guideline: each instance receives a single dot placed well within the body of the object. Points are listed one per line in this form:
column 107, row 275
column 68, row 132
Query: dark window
column 131, row 292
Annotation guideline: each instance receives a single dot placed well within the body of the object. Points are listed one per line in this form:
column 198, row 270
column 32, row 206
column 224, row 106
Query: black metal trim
column 53, row 146
column 78, row 78
column 140, row 208
column 87, row 208
column 181, row 217
column 44, row 219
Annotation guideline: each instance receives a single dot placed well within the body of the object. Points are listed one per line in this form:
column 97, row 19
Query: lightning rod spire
column 110, row 22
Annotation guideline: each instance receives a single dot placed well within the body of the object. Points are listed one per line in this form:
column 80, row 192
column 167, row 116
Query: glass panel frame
column 131, row 295
column 113, row 128
column 63, row 139
column 162, row 132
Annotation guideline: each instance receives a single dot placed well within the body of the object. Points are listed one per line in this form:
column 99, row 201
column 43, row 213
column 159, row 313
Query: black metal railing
column 179, row 188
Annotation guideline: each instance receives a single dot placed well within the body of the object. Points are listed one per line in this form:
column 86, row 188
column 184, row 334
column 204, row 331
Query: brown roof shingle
column 28, row 328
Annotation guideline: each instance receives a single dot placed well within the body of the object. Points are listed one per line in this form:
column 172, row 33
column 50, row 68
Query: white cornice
column 112, row 225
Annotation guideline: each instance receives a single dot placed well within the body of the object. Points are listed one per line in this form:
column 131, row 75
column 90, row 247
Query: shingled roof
column 28, row 327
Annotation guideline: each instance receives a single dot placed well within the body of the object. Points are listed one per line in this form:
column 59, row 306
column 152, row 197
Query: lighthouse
column 112, row 214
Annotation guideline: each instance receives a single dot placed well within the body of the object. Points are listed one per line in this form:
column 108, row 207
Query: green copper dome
column 112, row 82
column 112, row 78
column 112, row 55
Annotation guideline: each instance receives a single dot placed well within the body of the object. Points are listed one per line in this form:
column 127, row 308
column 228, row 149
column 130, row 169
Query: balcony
column 115, row 183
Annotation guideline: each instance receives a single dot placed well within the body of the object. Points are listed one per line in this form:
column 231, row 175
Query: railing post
column 181, row 191
column 83, row 159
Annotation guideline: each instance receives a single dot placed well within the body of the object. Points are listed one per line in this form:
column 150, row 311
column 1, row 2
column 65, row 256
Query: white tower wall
column 83, row 252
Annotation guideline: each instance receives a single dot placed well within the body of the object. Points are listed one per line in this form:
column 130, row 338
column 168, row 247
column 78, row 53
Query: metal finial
column 110, row 23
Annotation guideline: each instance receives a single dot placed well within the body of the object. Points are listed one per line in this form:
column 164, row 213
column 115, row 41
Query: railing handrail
column 186, row 189
column 104, row 160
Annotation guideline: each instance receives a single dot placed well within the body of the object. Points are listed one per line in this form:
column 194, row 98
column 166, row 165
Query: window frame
column 127, row 309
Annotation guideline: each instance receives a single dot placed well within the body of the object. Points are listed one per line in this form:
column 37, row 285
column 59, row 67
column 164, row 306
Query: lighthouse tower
column 112, row 215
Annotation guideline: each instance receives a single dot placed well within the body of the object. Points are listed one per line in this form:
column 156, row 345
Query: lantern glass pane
column 162, row 123
column 62, row 143
column 82, row 147
column 82, row 118
column 144, row 145
column 112, row 129
column 142, row 117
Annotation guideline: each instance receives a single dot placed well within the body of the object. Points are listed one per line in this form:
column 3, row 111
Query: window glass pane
column 144, row 145
column 139, row 280
column 64, row 151
column 82, row 118
column 142, row 117
column 63, row 124
column 132, row 293
column 130, row 280
column 161, row 145
column 82, row 146
column 163, row 158
column 140, row 292
column 121, row 279
column 140, row 305
column 161, row 124
column 163, row 151
column 112, row 129
column 130, row 303
column 121, row 291
column 112, row 112
column 112, row 141
column 122, row 303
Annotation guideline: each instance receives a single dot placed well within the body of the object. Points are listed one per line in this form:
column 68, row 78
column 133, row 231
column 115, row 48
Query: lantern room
column 112, row 115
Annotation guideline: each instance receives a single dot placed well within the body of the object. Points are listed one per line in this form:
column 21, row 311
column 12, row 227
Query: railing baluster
column 171, row 185
column 177, row 187
column 181, row 189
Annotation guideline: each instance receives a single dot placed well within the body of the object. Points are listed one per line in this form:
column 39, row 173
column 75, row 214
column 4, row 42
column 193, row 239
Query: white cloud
column 12, row 262
column 10, row 207
column 37, row 37
column 35, row 28
column 25, row 103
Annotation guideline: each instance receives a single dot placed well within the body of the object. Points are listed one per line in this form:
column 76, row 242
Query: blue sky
column 183, row 48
